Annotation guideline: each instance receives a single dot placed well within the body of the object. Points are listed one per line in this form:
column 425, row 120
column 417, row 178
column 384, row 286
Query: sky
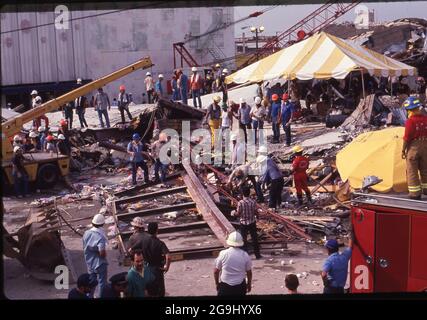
column 283, row 17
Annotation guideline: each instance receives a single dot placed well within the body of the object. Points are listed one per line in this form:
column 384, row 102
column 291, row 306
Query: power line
column 80, row 18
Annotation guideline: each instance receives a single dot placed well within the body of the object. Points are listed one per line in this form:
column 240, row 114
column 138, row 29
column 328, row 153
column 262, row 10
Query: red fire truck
column 390, row 248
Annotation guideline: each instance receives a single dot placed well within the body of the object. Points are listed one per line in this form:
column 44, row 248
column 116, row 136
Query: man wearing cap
column 94, row 248
column 139, row 276
column 159, row 88
column 243, row 115
column 137, row 239
column 20, row 175
column 156, row 253
column 85, row 285
column 335, row 267
column 414, row 148
column 213, row 114
column 286, row 111
column 275, row 117
column 158, row 163
column 299, row 169
column 102, row 105
column 258, row 114
column 183, row 86
column 136, row 150
column 123, row 101
column 117, row 288
column 232, row 267
column 149, row 86
column 196, row 86
column 270, row 172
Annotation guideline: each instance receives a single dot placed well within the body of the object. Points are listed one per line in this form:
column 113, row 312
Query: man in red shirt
column 299, row 170
column 196, row 87
column 415, row 148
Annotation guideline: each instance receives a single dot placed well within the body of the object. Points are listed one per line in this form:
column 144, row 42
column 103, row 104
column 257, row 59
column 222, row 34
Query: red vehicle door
column 363, row 255
column 418, row 262
column 392, row 252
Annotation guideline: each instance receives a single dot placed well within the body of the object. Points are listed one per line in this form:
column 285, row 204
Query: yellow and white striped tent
column 322, row 56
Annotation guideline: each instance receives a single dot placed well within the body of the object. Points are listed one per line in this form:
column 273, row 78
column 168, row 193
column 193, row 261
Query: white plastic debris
column 291, row 261
column 282, row 263
column 109, row 220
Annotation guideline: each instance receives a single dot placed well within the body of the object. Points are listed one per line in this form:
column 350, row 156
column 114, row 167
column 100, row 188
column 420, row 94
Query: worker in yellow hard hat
column 299, row 170
column 414, row 148
column 213, row 114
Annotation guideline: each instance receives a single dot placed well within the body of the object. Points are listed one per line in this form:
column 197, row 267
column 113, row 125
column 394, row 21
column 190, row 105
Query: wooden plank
column 150, row 195
column 219, row 224
column 156, row 211
column 177, row 228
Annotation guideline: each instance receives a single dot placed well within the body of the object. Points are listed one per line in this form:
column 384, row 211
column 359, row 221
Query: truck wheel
column 47, row 176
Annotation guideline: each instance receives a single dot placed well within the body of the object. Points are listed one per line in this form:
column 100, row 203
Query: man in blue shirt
column 135, row 149
column 94, row 248
column 139, row 275
column 183, row 86
column 286, row 114
column 158, row 87
column 270, row 172
column 335, row 267
column 275, row 118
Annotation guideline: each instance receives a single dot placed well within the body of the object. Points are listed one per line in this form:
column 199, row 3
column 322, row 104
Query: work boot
column 418, row 197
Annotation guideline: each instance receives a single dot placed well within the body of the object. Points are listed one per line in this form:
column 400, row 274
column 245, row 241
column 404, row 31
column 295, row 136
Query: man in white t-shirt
column 232, row 267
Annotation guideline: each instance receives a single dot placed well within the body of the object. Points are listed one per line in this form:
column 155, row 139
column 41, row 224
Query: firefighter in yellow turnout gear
column 415, row 148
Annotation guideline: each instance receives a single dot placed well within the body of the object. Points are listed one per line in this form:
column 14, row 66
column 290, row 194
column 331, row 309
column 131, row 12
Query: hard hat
column 263, row 149
column 33, row 134
column 34, row 92
column 79, row 81
column 194, row 69
column 235, row 239
column 225, row 71
column 61, row 137
column 233, row 137
column 62, row 122
column 261, row 158
column 161, row 76
column 122, row 87
column 98, row 219
column 49, row 138
column 137, row 222
column 285, row 97
column 136, row 136
column 163, row 137
column 17, row 138
column 412, row 103
column 257, row 100
column 297, row 149
column 217, row 99
column 275, row 97
column 38, row 99
column 148, row 73
column 41, row 129
column 242, row 100
column 332, row 244
column 16, row 149
column 217, row 65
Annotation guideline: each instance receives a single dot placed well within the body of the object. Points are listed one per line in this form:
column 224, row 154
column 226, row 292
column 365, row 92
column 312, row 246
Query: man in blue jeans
column 102, row 105
column 286, row 111
column 135, row 149
column 94, row 248
column 196, row 87
column 183, row 86
column 275, row 118
column 335, row 267
column 158, row 164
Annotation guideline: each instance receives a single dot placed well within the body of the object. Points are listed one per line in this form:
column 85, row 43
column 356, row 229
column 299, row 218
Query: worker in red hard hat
column 123, row 101
column 286, row 111
column 275, row 117
column 63, row 127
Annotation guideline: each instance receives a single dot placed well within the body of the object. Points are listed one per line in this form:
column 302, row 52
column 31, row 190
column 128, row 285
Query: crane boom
column 14, row 125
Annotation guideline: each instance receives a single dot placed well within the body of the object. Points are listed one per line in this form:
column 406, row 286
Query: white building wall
column 96, row 46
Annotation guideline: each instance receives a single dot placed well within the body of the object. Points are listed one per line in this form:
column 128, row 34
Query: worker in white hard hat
column 196, row 85
column 159, row 88
column 95, row 253
column 37, row 101
column 271, row 173
column 160, row 165
column 258, row 115
column 139, row 236
column 19, row 173
column 233, row 268
column 243, row 115
column 17, row 141
column 149, row 86
column 63, row 145
column 79, row 81
column 30, row 143
column 213, row 115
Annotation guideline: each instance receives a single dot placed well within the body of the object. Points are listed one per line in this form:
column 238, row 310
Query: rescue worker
column 270, row 173
column 183, row 86
column 36, row 101
column 258, row 114
column 175, row 91
column 149, row 86
column 117, row 288
column 159, row 88
column 135, row 149
column 63, row 146
column 102, row 105
column 240, row 175
column 415, row 148
column 137, row 239
column 85, row 285
column 19, row 173
column 196, row 86
column 158, row 164
column 275, row 117
column 80, row 104
column 17, row 141
column 139, row 276
column 243, row 115
column 42, row 138
column 213, row 113
column 34, row 139
column 286, row 111
column 68, row 114
column 299, row 169
column 123, row 101
column 50, row 144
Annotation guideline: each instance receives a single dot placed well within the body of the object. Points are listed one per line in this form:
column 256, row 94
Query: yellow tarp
column 376, row 153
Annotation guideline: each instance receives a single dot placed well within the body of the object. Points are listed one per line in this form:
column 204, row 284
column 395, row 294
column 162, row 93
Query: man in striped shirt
column 247, row 212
